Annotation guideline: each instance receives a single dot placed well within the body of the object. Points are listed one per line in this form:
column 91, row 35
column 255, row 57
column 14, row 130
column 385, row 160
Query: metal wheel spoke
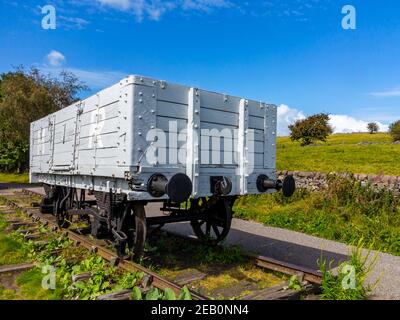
column 216, row 230
column 208, row 228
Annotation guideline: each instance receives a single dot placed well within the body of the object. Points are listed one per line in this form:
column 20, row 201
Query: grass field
column 357, row 153
column 14, row 178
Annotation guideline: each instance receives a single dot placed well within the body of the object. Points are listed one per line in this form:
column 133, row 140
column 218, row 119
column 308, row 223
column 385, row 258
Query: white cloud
column 72, row 22
column 55, row 58
column 154, row 9
column 95, row 79
column 347, row 124
column 389, row 93
column 339, row 123
column 205, row 5
column 287, row 116
column 120, row 4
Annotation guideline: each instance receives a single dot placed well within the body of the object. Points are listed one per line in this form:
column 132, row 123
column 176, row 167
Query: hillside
column 357, row 153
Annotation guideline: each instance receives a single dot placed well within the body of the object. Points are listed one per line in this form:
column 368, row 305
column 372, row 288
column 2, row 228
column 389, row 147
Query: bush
column 313, row 128
column 394, row 130
column 14, row 156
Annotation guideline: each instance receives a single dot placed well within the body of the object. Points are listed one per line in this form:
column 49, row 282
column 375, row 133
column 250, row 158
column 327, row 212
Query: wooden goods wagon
column 143, row 140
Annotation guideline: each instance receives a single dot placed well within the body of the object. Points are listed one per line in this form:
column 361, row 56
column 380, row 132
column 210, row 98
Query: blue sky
column 293, row 53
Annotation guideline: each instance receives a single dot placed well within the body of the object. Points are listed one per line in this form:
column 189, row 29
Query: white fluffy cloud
column 55, row 58
column 287, row 116
column 339, row 123
column 346, row 124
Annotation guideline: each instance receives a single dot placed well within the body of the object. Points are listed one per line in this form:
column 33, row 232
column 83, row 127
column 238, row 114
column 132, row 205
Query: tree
column 26, row 96
column 373, row 127
column 313, row 128
column 394, row 130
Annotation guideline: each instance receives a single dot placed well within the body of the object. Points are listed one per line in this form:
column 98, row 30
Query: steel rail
column 157, row 280
column 307, row 274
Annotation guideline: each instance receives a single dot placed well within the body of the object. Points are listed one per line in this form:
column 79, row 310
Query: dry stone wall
column 315, row 181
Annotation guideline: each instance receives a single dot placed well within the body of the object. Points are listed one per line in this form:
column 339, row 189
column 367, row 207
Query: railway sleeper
column 16, row 268
column 27, row 231
column 33, row 236
column 81, row 277
column 116, row 296
column 16, row 226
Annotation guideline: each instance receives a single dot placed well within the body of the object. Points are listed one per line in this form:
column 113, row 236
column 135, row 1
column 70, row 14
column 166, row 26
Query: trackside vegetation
column 67, row 260
column 346, row 211
column 350, row 283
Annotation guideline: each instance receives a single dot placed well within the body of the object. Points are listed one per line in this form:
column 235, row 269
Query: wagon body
column 117, row 139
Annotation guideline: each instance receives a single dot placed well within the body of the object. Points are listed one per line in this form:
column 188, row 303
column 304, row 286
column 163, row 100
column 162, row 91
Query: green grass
column 30, row 283
column 11, row 251
column 14, row 178
column 345, row 212
column 357, row 153
column 28, row 286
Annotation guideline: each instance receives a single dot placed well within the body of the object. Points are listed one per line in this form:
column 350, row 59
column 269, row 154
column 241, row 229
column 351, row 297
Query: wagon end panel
column 41, row 147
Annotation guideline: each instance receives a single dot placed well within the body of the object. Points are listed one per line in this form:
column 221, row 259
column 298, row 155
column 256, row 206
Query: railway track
column 156, row 280
column 309, row 279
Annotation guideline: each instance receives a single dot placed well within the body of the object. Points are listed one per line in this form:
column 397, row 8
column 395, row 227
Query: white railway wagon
column 144, row 140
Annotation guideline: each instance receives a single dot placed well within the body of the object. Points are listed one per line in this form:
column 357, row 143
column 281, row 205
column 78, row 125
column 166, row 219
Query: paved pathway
column 298, row 248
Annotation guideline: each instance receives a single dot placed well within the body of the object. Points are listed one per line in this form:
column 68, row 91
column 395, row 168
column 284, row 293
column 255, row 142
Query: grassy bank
column 14, row 178
column 357, row 153
column 345, row 212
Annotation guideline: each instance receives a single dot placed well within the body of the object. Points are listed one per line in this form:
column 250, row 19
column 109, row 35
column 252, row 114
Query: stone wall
column 315, row 181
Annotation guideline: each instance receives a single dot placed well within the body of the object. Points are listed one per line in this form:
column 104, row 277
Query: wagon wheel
column 135, row 228
column 216, row 226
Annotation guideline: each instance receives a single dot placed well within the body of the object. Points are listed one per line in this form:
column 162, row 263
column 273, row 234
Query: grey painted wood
column 100, row 142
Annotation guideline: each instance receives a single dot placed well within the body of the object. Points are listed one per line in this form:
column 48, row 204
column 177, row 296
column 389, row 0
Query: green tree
column 372, row 127
column 394, row 130
column 313, row 128
column 26, row 96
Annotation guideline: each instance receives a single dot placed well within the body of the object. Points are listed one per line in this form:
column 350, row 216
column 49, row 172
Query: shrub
column 313, row 128
column 14, row 156
column 394, row 130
